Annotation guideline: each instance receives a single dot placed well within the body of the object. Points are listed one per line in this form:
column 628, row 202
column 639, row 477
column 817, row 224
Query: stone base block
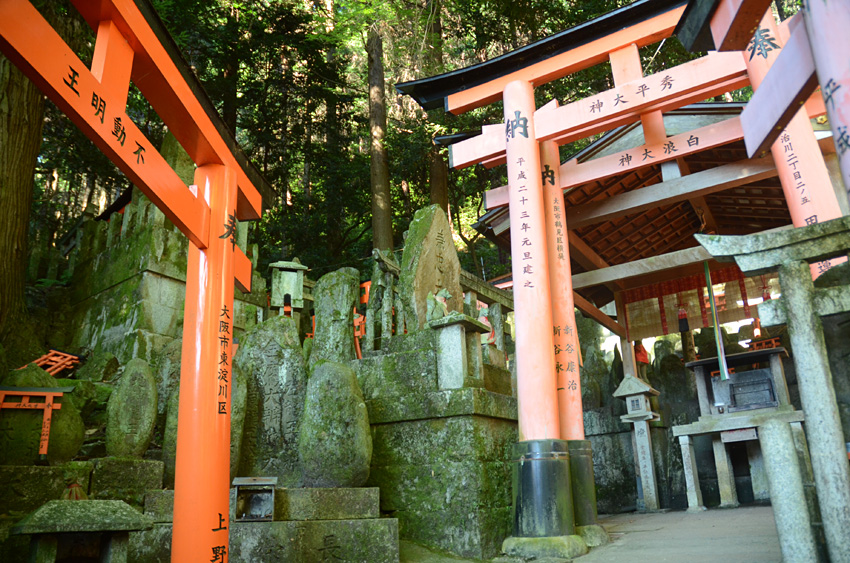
column 326, row 504
column 125, row 479
column 564, row 547
column 497, row 379
column 159, row 506
column 593, row 535
column 373, row 540
column 463, row 531
column 26, row 487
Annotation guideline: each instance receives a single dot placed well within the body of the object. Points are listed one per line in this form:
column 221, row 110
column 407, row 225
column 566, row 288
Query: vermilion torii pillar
column 131, row 43
column 536, row 382
column 802, row 172
column 565, row 331
column 202, row 471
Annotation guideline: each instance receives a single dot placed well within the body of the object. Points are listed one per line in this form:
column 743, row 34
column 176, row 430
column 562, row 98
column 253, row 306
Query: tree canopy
column 289, row 77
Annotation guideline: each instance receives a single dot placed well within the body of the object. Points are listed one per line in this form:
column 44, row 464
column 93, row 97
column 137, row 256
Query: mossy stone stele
column 335, row 296
column 429, row 263
column 131, row 411
column 271, row 358
column 20, row 430
column 335, row 442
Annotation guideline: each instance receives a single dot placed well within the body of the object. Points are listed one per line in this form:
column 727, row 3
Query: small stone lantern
column 636, row 393
column 288, row 279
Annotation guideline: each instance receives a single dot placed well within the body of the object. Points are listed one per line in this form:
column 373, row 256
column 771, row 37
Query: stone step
column 289, row 504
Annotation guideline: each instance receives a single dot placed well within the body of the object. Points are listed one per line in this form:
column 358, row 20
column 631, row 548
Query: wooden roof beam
column 655, row 264
column 679, row 189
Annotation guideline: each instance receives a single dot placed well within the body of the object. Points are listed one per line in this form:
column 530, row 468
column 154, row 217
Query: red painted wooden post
column 202, row 473
column 802, row 172
column 536, row 383
column 566, row 345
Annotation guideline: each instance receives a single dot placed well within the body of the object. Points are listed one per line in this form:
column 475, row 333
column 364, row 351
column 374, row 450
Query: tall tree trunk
column 433, row 64
column 21, row 119
column 439, row 179
column 230, row 74
column 382, row 220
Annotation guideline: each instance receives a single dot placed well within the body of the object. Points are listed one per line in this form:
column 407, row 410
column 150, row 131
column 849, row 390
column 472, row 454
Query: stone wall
column 128, row 285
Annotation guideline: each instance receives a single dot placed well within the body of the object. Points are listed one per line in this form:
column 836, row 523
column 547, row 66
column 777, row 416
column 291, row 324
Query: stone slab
column 316, row 541
column 125, row 479
column 709, row 424
column 444, row 403
column 497, row 379
column 464, row 531
column 397, row 373
column 326, row 504
column 60, row 516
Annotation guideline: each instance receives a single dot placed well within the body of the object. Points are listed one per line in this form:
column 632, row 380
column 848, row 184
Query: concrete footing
column 564, row 547
column 593, row 535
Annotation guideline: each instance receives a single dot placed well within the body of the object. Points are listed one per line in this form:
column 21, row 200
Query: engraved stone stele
column 335, row 441
column 270, row 356
column 429, row 264
column 335, row 297
column 20, row 429
column 131, row 411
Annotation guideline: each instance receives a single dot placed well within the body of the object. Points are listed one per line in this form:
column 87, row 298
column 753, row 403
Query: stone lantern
column 288, row 279
column 636, row 393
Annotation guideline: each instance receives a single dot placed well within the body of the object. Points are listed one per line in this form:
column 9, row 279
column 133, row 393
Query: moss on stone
column 334, row 440
column 131, row 411
column 126, row 479
column 19, row 442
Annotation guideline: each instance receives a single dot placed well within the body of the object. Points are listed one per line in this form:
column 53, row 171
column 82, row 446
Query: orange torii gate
column 132, row 44
column 527, row 132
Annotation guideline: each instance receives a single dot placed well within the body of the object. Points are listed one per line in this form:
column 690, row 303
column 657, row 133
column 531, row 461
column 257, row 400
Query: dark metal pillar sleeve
column 542, row 494
column 583, row 482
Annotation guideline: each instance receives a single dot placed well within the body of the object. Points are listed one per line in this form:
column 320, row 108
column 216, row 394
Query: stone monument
column 429, row 264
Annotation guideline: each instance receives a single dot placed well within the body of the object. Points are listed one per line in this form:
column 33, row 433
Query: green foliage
column 289, row 77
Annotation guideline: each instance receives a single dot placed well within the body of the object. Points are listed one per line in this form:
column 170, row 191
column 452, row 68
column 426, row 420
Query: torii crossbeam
column 132, row 44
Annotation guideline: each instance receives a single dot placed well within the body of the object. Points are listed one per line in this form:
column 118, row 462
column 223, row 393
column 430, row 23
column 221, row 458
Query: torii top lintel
column 133, row 44
column 643, row 22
